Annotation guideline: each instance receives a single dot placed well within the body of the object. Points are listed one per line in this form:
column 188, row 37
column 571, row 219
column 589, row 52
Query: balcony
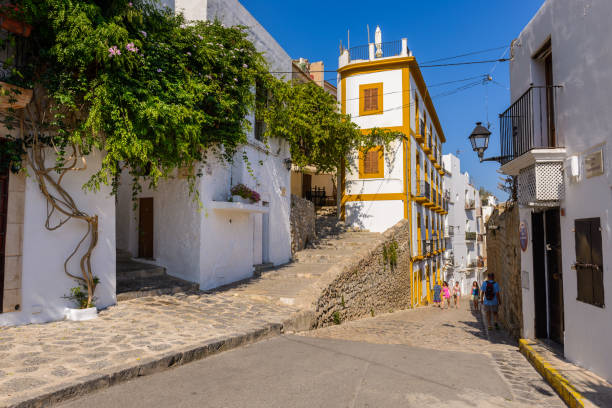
column 470, row 236
column 449, row 231
column 530, row 150
column 423, row 193
column 470, row 204
column 421, row 132
column 373, row 52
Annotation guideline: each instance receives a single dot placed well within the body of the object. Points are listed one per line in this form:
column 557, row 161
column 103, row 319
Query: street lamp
column 480, row 142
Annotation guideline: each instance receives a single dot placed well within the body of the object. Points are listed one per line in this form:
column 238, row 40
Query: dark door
column 539, row 274
column 306, row 185
column 550, row 101
column 145, row 228
column 4, row 181
column 555, row 275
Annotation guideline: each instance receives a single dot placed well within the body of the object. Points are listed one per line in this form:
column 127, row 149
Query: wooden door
column 145, row 228
column 4, row 181
column 555, row 275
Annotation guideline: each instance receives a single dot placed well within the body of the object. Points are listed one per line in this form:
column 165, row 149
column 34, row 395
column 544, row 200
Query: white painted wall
column 375, row 216
column 44, row 282
column 583, row 67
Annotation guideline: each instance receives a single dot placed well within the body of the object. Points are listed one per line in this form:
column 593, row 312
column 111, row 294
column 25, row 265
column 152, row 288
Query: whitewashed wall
column 44, row 283
column 583, row 66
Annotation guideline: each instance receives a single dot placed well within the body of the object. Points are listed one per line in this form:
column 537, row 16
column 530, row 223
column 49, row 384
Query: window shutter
column 370, row 96
column 589, row 261
column 370, row 165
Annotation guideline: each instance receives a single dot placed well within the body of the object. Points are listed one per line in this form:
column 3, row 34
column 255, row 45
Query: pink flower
column 200, row 37
column 113, row 51
column 245, row 66
column 144, row 33
column 130, row 4
column 131, row 47
column 159, row 70
column 189, row 53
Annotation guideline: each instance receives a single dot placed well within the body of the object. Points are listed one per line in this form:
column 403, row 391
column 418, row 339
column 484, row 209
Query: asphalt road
column 296, row 371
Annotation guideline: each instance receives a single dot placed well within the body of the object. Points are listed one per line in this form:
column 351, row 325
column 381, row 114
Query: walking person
column 475, row 295
column 437, row 291
column 456, row 294
column 446, row 293
column 490, row 298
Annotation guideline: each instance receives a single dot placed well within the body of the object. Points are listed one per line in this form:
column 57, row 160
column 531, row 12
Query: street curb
column 151, row 365
column 564, row 388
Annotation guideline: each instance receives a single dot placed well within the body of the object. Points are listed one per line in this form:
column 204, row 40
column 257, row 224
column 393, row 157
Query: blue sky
column 434, row 29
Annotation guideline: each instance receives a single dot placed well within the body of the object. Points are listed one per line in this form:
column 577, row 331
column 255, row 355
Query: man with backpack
column 489, row 297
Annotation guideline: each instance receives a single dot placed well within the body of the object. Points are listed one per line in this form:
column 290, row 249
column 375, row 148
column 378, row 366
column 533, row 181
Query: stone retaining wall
column 504, row 259
column 370, row 284
column 302, row 223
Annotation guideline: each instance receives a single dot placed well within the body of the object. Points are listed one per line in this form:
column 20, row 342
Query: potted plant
column 243, row 194
column 11, row 20
column 78, row 294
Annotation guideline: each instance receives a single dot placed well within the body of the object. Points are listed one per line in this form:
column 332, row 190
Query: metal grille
column 541, row 184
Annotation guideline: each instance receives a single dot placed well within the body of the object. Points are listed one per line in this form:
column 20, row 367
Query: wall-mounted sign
column 523, row 235
column 593, row 164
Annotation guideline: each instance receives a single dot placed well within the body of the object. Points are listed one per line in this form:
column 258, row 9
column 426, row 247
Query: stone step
column 321, row 256
column 129, row 270
column 153, row 286
column 296, row 270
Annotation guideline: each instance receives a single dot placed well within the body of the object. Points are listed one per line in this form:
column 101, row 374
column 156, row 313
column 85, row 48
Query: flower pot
column 79, row 315
column 15, row 26
column 10, row 99
column 240, row 199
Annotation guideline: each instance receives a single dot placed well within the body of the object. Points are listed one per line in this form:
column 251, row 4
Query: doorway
column 548, row 275
column 145, row 228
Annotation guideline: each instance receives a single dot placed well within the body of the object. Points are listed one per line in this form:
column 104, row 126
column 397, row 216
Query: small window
column 370, row 99
column 371, row 163
column 589, row 261
column 261, row 102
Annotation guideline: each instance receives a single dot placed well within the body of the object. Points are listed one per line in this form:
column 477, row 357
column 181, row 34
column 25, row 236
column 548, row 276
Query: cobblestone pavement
column 456, row 331
column 37, row 359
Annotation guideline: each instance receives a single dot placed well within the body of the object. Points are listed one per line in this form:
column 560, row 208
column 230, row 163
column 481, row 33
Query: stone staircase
column 139, row 279
column 301, row 282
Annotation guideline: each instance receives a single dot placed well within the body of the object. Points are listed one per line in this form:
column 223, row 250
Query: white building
column 224, row 241
column 464, row 227
column 554, row 138
column 380, row 85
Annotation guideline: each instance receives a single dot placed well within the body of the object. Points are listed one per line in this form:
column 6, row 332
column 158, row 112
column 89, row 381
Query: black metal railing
column 423, row 189
column 470, row 236
column 528, row 123
column 451, row 231
column 388, row 49
column 470, row 204
column 360, row 52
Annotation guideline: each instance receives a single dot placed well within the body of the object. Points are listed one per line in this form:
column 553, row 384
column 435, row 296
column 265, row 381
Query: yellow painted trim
column 406, row 140
column 381, row 164
column 432, row 159
column 564, row 388
column 373, row 197
column 427, row 150
column 374, row 66
column 400, row 129
column 362, row 88
column 437, row 166
column 418, row 79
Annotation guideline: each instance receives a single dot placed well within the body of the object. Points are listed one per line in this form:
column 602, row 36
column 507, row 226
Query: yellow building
column 381, row 86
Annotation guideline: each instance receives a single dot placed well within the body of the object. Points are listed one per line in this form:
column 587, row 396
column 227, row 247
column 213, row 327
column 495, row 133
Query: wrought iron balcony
column 423, row 191
column 470, row 236
column 529, row 123
column 470, row 204
column 530, row 149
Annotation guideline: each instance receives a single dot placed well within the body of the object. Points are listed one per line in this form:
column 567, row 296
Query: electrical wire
column 466, row 54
